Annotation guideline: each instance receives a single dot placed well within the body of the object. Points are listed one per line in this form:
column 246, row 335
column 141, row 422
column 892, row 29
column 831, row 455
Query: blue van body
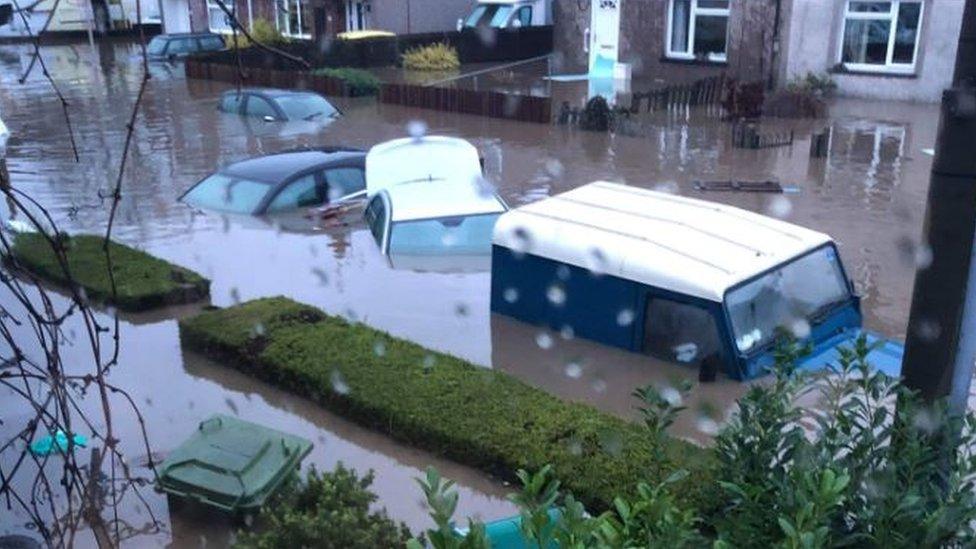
column 612, row 310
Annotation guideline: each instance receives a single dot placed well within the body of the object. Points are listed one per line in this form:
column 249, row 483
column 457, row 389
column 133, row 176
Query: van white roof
column 426, row 158
column 689, row 246
column 431, row 199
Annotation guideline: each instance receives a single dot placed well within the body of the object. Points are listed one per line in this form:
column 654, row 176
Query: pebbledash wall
column 814, row 31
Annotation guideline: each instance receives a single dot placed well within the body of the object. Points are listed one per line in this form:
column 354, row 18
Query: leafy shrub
column 819, row 84
column 141, row 280
column 327, row 510
column 434, row 57
column 596, row 116
column 262, row 31
column 361, row 83
column 477, row 416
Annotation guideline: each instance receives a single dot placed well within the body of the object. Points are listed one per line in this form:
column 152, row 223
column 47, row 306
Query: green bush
column 435, row 57
column 360, row 83
column 328, row 511
column 262, row 31
column 141, row 280
column 477, row 416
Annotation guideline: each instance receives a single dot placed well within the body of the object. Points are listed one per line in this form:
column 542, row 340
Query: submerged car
column 273, row 105
column 428, row 158
column 283, row 182
column 433, row 218
column 180, row 45
column 679, row 279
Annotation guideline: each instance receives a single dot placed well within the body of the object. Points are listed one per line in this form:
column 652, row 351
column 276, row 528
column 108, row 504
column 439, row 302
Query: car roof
column 422, row 158
column 187, row 35
column 272, row 92
column 279, row 167
column 439, row 198
column 685, row 245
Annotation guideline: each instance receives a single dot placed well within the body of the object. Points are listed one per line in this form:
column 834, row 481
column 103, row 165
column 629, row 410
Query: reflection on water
column 868, row 194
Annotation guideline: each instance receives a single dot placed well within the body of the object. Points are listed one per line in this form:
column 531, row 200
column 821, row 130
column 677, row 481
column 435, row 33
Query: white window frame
column 285, row 29
column 214, row 7
column 889, row 65
column 695, row 11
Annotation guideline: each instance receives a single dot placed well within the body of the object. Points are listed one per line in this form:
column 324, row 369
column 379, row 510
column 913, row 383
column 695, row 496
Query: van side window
column 679, row 332
column 301, row 193
column 523, row 16
column 344, row 182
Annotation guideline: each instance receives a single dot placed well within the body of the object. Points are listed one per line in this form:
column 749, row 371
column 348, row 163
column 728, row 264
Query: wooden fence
column 707, row 91
column 482, row 103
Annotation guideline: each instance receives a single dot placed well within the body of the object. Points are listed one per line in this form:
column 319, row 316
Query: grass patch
column 476, row 416
column 142, row 281
column 360, row 83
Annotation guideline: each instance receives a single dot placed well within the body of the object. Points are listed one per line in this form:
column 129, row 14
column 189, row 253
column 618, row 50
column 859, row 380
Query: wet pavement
column 869, row 195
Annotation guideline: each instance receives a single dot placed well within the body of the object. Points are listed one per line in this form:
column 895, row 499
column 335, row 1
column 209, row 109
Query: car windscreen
column 793, row 298
column 157, row 46
column 461, row 235
column 305, row 106
column 224, row 193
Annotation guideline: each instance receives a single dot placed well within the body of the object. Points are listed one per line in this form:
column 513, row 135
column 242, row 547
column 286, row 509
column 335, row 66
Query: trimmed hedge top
column 141, row 281
column 476, row 416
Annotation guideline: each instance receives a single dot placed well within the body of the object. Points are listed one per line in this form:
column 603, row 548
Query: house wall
column 643, row 34
column 418, row 16
column 813, row 34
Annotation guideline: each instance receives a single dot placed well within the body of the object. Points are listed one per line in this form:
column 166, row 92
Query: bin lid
column 232, row 464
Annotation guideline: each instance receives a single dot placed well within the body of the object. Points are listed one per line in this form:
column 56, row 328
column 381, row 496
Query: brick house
column 308, row 19
column 889, row 49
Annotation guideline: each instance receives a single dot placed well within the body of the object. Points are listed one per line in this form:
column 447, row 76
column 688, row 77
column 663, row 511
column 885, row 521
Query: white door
column 357, row 15
column 604, row 36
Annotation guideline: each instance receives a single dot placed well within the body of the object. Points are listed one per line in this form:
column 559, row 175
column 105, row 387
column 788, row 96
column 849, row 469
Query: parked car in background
column 507, row 14
column 433, row 218
column 177, row 46
column 283, row 182
column 273, row 105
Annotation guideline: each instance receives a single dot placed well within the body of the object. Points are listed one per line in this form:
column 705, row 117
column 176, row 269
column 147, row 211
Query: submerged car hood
column 885, row 356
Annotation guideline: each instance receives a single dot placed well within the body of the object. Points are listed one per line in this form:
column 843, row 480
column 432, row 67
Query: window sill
column 876, row 73
column 694, row 61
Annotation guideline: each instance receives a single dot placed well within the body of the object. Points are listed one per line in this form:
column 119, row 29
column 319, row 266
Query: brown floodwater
column 869, row 195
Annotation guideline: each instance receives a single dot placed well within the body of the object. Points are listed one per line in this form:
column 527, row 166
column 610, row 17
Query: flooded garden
column 868, row 194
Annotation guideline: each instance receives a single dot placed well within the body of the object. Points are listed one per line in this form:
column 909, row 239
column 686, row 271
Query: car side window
column 180, row 46
column 259, row 107
column 301, row 193
column 376, row 217
column 343, row 182
column 231, row 102
column 211, row 43
column 680, row 332
column 523, row 16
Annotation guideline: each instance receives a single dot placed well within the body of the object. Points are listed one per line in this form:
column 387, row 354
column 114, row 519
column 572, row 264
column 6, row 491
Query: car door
column 257, row 106
column 344, row 183
column 302, row 192
column 377, row 217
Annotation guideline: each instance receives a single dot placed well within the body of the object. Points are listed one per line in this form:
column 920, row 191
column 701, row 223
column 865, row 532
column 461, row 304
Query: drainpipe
column 940, row 348
column 250, row 16
column 774, row 55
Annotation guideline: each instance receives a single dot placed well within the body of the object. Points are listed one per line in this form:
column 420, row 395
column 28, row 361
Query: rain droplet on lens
column 510, row 295
column 779, row 206
column 339, row 384
column 235, row 295
column 611, row 442
column 671, row 395
column 449, row 238
column 596, row 261
column 562, row 272
column 669, row 187
column 461, row 309
column 567, row 332
column 800, row 328
column 543, row 340
column 428, row 363
column 485, row 188
column 707, row 425
column 625, row 317
column 928, row 330
column 258, row 329
column 379, row 348
column 574, row 446
column 556, row 295
column 322, row 276
column 521, row 241
column 554, row 168
column 574, row 370
column 923, row 256
column 599, row 385
column 417, row 129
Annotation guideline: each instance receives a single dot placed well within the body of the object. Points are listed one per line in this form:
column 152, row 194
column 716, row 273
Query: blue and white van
column 678, row 279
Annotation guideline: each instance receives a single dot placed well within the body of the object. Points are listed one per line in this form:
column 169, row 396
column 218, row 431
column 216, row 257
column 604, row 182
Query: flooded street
column 869, row 195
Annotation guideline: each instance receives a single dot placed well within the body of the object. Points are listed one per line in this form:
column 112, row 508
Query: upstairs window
column 219, row 20
column 698, row 29
column 881, row 36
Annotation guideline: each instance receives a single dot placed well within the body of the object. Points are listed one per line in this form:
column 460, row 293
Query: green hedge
column 361, row 83
column 141, row 280
column 476, row 416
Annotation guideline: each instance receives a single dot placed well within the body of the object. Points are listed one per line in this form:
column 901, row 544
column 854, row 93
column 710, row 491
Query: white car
column 429, row 158
column 434, row 218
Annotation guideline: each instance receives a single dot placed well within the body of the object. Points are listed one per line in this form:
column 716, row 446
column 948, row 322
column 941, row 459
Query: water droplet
column 485, row 188
column 669, row 187
column 510, row 295
column 800, row 328
column 417, row 129
column 379, row 348
column 611, row 442
column 928, row 330
column 235, row 296
column 574, row 447
column 556, row 295
column 625, row 317
column 599, row 385
column 322, row 276
column 596, row 261
column 779, row 206
column 461, row 309
column 428, row 363
column 554, row 168
column 574, row 370
column 707, row 425
column 543, row 340
column 449, row 238
column 562, row 272
column 567, row 332
column 923, row 256
column 339, row 383
column 685, row 352
column 521, row 241
column 672, row 395
column 258, row 329
column 248, row 519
